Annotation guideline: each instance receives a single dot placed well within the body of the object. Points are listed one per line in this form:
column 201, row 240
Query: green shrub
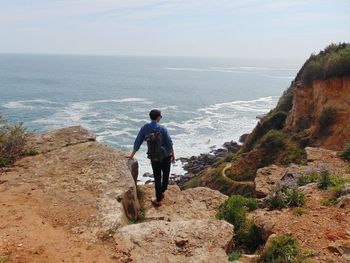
column 248, row 236
column 296, row 198
column 30, row 151
column 234, row 255
column 334, row 61
column 335, row 183
column 283, row 197
column 307, row 179
column 326, row 120
column 273, row 121
column 325, row 181
column 331, row 180
column 234, row 211
column 12, row 142
column 293, row 154
column 3, row 259
column 347, row 169
column 277, row 200
column 338, row 190
column 345, row 153
column 281, row 249
column 273, row 140
column 229, row 157
column 285, row 103
column 328, row 202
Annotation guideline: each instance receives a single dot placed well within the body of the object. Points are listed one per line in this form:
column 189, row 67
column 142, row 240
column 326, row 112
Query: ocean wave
column 124, row 100
column 260, row 105
column 112, row 133
column 28, row 104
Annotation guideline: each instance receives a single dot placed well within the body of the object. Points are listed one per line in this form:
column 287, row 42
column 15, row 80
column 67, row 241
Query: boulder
column 193, row 203
column 344, row 202
column 341, row 247
column 196, row 241
column 243, row 137
column 266, row 178
column 134, row 169
column 79, row 174
column 60, row 138
column 264, row 223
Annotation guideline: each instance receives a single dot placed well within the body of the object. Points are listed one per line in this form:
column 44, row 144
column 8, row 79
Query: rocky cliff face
column 76, row 201
column 310, row 101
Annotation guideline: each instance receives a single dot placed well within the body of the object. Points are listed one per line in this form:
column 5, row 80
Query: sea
column 204, row 101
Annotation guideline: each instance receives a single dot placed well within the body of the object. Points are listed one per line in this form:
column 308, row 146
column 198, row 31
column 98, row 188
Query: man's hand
column 130, row 155
column 172, row 159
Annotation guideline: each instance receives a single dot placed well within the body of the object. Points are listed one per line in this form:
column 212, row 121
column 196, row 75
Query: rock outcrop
column 309, row 101
column 321, row 228
column 74, row 184
column 75, row 200
column 193, row 203
column 195, row 240
column 182, row 230
column 267, row 178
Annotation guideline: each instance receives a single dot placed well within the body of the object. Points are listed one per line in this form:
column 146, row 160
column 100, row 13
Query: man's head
column 155, row 115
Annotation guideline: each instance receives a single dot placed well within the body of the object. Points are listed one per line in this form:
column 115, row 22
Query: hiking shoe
column 156, row 203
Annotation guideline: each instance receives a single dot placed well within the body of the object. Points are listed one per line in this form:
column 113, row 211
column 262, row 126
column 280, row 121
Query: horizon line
column 148, row 56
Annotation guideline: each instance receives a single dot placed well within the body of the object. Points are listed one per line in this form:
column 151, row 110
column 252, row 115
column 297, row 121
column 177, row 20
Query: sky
column 215, row 28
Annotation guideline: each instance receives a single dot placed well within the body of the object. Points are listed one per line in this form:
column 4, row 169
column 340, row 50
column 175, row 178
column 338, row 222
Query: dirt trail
column 61, row 204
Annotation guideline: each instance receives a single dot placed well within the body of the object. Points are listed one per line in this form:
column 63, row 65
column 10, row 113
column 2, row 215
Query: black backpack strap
column 151, row 130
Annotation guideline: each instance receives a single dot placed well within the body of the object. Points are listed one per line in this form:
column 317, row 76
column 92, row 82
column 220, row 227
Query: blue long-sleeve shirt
column 167, row 143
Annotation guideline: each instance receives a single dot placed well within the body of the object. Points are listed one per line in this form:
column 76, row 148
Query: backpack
column 154, row 144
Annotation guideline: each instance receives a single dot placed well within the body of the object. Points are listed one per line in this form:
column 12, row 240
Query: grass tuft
column 345, row 153
column 234, row 210
column 284, row 249
column 308, row 179
column 283, row 197
column 299, row 211
column 13, row 138
column 235, row 255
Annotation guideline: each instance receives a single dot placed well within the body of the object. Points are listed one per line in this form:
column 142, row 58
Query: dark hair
column 154, row 114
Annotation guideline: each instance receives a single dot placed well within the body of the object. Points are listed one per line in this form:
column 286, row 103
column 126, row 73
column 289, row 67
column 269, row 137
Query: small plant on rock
column 283, row 197
column 299, row 211
column 280, row 249
column 234, row 210
column 325, row 181
column 308, row 179
column 283, row 249
column 326, row 120
column 12, row 142
column 277, row 199
column 345, row 153
column 235, row 255
column 296, row 198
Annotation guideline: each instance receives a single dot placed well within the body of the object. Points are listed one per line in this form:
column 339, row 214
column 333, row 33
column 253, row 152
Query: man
column 160, row 152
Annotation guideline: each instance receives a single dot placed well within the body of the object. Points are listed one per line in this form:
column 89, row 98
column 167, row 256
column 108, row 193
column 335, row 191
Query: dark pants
column 161, row 170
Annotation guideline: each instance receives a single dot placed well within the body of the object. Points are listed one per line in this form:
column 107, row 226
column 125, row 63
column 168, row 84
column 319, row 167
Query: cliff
column 311, row 102
column 290, row 164
column 313, row 111
column 76, row 200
